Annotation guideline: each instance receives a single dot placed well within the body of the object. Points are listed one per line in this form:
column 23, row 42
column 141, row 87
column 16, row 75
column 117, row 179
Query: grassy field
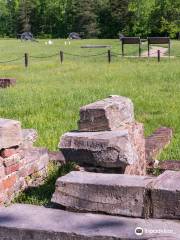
column 48, row 95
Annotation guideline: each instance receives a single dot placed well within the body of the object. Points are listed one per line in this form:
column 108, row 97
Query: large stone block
column 123, row 150
column 10, row 133
column 26, row 222
column 165, row 196
column 107, row 114
column 112, row 194
column 101, row 149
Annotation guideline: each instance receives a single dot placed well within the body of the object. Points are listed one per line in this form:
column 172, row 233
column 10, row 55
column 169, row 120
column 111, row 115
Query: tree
column 165, row 18
column 140, row 12
column 25, row 10
column 84, row 17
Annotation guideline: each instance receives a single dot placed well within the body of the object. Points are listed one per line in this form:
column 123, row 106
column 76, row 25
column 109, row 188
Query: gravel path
column 153, row 52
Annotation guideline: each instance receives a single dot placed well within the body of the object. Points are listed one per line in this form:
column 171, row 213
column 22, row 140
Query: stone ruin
column 113, row 156
column 7, row 82
column 109, row 139
column 21, row 163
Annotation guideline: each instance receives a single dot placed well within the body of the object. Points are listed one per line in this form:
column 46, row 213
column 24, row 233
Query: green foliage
column 103, row 18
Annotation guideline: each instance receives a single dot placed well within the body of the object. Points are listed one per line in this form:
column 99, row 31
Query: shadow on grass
column 42, row 195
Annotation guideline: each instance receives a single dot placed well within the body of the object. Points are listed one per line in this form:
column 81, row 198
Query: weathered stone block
column 112, row 194
column 10, row 133
column 107, row 114
column 123, row 150
column 102, row 149
column 165, row 196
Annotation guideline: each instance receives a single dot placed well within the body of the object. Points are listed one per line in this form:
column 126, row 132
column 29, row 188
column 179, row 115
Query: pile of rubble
column 113, row 156
column 20, row 162
column 108, row 140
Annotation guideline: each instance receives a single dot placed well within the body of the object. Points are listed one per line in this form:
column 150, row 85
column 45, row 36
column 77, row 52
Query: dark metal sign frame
column 159, row 40
column 131, row 40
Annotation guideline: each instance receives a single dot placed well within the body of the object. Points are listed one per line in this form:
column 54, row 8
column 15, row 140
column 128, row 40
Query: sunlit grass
column 48, row 94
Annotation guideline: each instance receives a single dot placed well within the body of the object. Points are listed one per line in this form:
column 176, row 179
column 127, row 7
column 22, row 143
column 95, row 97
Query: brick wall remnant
column 20, row 161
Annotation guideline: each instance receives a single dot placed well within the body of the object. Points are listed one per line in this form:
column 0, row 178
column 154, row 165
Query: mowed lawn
column 48, row 94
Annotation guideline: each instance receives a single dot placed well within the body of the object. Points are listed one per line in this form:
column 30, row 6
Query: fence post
column 109, row 56
column 159, row 55
column 26, row 60
column 61, row 56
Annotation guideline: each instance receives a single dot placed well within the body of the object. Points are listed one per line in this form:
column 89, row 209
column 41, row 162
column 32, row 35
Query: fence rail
column 108, row 54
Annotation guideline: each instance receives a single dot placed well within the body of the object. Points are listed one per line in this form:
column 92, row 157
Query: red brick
column 12, row 168
column 9, row 182
column 16, row 158
column 6, row 153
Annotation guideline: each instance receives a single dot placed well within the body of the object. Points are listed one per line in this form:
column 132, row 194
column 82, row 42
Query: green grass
column 48, row 95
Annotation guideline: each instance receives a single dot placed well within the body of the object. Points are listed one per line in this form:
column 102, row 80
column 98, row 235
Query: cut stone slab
column 157, row 142
column 107, row 114
column 112, row 194
column 10, row 133
column 7, row 82
column 165, row 196
column 110, row 149
column 24, row 222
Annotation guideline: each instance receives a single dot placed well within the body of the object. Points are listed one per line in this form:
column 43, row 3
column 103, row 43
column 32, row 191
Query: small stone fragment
column 7, row 82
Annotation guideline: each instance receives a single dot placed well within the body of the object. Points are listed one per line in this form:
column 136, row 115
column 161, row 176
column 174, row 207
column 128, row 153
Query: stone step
column 107, row 114
column 27, row 222
column 108, row 193
column 10, row 133
column 125, row 195
column 123, row 149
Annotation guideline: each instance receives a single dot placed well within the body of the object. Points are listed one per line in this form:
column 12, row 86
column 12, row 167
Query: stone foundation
column 20, row 162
